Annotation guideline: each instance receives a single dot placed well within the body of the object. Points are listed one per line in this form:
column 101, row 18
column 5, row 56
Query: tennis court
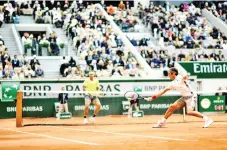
column 114, row 133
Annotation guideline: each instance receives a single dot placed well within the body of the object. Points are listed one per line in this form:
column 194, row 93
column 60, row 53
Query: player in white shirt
column 188, row 98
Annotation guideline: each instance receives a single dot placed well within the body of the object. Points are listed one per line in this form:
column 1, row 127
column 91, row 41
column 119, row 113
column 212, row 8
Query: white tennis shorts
column 189, row 100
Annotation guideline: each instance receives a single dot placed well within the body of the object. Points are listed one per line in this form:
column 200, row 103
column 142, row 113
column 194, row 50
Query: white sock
column 163, row 119
column 130, row 111
column 137, row 108
column 205, row 118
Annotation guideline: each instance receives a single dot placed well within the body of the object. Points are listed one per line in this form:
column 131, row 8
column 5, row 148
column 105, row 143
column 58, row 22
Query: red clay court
column 114, row 133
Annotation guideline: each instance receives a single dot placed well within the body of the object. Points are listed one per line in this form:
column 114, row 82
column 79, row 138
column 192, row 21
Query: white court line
column 220, row 122
column 128, row 134
column 136, row 143
column 221, row 139
column 48, row 136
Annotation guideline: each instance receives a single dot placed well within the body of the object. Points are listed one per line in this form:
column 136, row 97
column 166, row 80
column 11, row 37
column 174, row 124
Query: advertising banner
column 9, row 90
column 211, row 103
column 110, row 106
column 206, row 69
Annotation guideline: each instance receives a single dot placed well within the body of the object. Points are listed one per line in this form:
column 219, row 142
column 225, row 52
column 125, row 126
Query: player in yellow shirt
column 91, row 84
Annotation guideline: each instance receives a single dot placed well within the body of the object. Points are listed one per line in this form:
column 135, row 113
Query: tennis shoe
column 160, row 124
column 85, row 121
column 92, row 120
column 208, row 122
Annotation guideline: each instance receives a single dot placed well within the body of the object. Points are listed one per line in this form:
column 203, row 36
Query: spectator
column 63, row 67
column 1, row 40
column 57, row 18
column 34, row 42
column 68, row 72
column 5, row 60
column 134, row 70
column 1, row 72
column 47, row 18
column 134, row 42
column 143, row 54
column 72, row 62
column 127, row 6
column 29, row 72
column 38, row 16
column 181, row 56
column 2, row 46
column 121, row 6
column 118, row 61
column 155, row 62
column 53, row 44
column 15, row 62
column 26, row 66
column 219, row 93
column 25, row 42
column 39, row 72
column 7, row 75
column 1, row 18
column 34, row 62
column 116, row 71
column 129, row 64
column 23, row 60
column 110, row 10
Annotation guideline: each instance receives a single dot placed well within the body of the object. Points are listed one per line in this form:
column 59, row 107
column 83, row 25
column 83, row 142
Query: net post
column 19, row 109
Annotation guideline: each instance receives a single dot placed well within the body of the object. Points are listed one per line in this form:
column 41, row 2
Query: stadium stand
column 98, row 48
column 94, row 42
column 175, row 27
column 50, row 49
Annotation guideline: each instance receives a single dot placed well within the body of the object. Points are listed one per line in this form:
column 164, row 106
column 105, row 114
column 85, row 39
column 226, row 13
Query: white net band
column 120, row 93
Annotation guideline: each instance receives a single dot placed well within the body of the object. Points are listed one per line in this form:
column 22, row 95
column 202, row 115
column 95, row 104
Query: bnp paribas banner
column 105, row 85
column 9, row 90
column 206, row 69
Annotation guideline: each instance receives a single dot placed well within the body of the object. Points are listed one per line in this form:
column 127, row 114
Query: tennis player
column 91, row 85
column 63, row 98
column 188, row 98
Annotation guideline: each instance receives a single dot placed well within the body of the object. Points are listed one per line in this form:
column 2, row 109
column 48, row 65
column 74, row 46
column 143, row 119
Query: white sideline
column 221, row 139
column 51, row 137
column 220, row 122
column 129, row 134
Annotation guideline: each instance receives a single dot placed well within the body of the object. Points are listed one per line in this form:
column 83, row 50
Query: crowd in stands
column 123, row 16
column 183, row 27
column 219, row 9
column 9, row 14
column 161, row 58
column 139, row 41
column 97, row 46
column 54, row 13
column 101, row 50
column 18, row 68
column 36, row 44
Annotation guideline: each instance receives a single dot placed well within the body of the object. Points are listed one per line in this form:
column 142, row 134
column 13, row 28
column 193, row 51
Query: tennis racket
column 131, row 95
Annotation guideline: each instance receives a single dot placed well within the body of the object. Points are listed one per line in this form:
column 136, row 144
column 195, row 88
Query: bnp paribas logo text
column 210, row 68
